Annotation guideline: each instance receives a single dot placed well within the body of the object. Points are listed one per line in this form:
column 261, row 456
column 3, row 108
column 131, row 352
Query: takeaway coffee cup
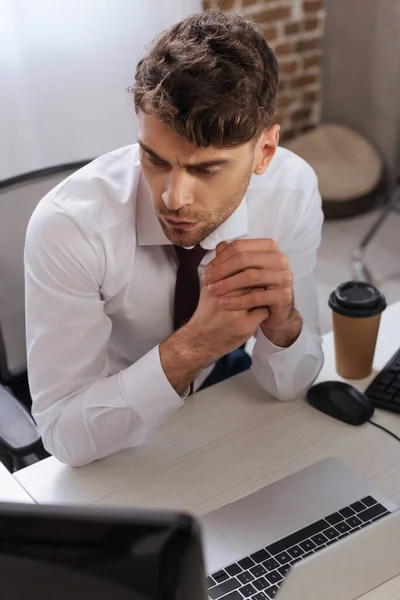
column 356, row 314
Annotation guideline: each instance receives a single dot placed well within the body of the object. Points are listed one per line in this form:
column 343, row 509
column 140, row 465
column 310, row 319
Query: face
column 194, row 190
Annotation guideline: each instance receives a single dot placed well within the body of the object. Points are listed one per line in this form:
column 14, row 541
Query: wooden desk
column 229, row 441
column 10, row 489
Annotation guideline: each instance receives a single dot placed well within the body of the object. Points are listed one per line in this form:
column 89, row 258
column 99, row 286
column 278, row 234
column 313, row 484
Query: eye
column 205, row 172
column 155, row 161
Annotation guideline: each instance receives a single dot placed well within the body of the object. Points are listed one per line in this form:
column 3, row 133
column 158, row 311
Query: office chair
column 359, row 270
column 20, row 443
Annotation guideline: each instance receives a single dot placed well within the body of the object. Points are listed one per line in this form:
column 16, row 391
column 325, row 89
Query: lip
column 180, row 224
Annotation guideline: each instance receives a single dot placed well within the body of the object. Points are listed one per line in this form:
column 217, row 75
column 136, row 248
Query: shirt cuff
column 147, row 390
column 279, row 357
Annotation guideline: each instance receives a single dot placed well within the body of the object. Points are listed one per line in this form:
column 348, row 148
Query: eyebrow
column 217, row 162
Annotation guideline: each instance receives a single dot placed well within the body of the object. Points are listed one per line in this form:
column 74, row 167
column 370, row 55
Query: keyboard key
column 285, row 568
column 380, row 516
column 246, row 563
column 331, row 542
column 308, row 554
column 233, row 570
column 357, row 506
column 220, row 576
column 245, row 577
column 259, row 556
column 307, row 545
column 296, row 552
column 319, row 539
column 274, row 577
column 343, row 536
column 371, row 513
column 379, row 395
column 234, row 596
column 260, row 596
column 296, row 560
column 379, row 385
column 369, row 501
column 283, row 558
column 392, row 389
column 261, row 583
column 248, row 590
column 347, row 512
column 223, row 588
column 258, row 570
column 334, row 518
column 354, row 522
column 331, row 533
column 271, row 592
column 387, row 378
column 297, row 537
column 210, row 582
column 343, row 527
column 271, row 564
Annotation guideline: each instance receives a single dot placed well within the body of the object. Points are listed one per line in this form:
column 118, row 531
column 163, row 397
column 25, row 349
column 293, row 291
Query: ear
column 266, row 148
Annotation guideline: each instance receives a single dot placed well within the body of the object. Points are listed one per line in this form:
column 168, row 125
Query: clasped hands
column 252, row 273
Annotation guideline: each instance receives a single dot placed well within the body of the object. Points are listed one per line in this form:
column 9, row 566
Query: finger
column 248, row 245
column 259, row 315
column 250, row 278
column 257, row 298
column 272, row 261
column 220, row 247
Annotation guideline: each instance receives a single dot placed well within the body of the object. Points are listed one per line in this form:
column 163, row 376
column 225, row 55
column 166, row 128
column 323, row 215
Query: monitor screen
column 74, row 554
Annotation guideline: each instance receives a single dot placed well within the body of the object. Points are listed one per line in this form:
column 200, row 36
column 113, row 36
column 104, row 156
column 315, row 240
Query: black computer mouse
column 341, row 401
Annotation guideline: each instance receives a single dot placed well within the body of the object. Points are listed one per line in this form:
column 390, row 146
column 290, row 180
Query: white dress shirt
column 100, row 280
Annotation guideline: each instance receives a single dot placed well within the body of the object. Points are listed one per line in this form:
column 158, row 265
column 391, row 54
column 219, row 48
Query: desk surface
column 231, row 440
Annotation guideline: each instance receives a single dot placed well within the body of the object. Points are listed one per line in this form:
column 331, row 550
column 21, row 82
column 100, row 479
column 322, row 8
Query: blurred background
column 64, row 70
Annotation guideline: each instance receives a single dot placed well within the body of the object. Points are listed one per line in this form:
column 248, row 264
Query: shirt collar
column 150, row 233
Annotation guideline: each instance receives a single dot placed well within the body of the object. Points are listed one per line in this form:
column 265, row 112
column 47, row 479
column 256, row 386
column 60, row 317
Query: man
column 117, row 334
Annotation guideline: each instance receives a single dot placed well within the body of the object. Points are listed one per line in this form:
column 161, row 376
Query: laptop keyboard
column 259, row 575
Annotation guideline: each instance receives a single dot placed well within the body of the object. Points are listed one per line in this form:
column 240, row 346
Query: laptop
column 290, row 536
column 321, row 533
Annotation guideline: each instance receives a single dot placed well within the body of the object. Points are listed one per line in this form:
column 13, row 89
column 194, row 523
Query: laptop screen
column 74, row 554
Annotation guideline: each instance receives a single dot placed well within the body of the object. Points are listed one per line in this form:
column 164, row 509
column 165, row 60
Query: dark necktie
column 187, row 287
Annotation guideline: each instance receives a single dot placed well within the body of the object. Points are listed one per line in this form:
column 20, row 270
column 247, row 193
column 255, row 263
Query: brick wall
column 294, row 30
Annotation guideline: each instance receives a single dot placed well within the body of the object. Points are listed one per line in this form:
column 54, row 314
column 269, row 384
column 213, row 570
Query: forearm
column 183, row 356
column 287, row 373
column 108, row 415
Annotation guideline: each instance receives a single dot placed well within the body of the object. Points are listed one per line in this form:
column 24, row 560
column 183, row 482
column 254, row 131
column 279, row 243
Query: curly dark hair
column 212, row 78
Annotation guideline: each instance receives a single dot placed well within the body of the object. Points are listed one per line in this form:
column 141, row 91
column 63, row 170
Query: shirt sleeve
column 286, row 373
column 82, row 411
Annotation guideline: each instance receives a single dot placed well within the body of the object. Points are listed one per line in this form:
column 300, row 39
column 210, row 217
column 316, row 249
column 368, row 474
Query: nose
column 178, row 192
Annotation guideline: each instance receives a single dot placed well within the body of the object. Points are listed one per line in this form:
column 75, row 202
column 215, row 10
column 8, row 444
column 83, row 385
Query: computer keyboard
column 259, row 575
column 384, row 391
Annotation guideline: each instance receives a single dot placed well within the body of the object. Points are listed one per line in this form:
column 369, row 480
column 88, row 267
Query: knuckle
column 283, row 261
column 236, row 245
column 288, row 277
column 273, row 245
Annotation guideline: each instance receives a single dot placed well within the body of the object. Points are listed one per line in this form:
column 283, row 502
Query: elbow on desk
column 289, row 387
column 67, row 456
column 61, row 440
column 75, row 444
